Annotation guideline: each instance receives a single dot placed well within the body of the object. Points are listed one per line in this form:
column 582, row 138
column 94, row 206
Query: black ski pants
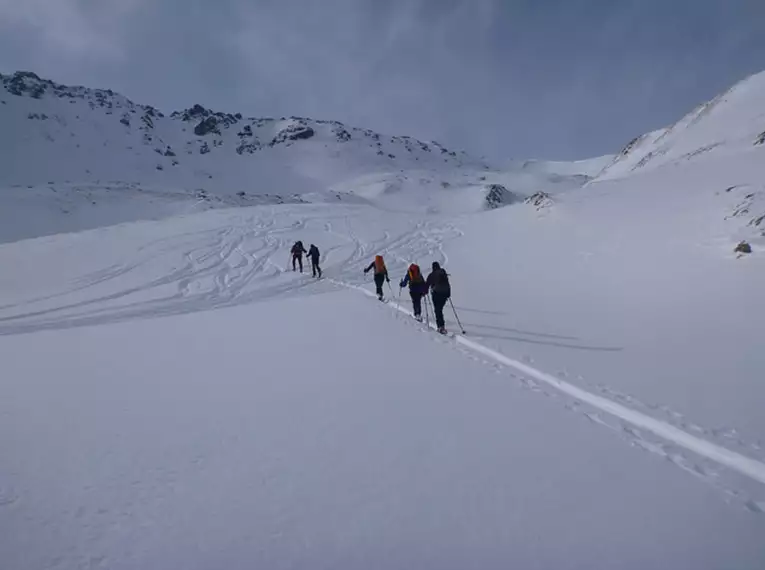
column 416, row 302
column 315, row 269
column 439, row 302
column 297, row 258
column 379, row 280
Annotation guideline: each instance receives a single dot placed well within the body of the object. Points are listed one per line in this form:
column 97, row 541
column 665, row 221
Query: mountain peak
column 727, row 124
column 58, row 133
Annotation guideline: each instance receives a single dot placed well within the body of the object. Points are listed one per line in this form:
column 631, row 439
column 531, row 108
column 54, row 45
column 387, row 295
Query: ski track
column 234, row 265
column 705, row 461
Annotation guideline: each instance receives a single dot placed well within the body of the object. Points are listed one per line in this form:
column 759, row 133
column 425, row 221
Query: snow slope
column 172, row 397
column 302, row 424
column 731, row 123
column 588, row 168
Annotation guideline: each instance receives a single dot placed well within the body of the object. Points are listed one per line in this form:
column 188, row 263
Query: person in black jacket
column 314, row 256
column 297, row 255
column 440, row 291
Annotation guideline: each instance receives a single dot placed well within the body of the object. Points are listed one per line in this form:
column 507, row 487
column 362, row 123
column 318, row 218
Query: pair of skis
column 443, row 332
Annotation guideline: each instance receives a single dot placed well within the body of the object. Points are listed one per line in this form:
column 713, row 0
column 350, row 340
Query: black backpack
column 441, row 282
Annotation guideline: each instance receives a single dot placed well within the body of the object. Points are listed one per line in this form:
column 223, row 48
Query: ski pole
column 455, row 315
column 398, row 301
column 427, row 311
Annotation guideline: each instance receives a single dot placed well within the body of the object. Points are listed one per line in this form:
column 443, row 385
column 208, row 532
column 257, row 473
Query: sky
column 556, row 79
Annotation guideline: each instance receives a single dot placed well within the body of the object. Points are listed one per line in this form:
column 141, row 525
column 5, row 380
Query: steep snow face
column 731, row 123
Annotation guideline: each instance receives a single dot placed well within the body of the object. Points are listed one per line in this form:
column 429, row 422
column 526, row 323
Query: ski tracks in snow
column 243, row 259
column 183, row 273
column 739, row 476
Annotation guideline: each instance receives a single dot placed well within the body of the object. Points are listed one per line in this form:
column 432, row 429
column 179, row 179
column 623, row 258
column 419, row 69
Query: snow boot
column 418, row 318
column 442, row 330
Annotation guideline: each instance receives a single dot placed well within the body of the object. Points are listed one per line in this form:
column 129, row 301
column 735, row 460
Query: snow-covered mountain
column 731, row 123
column 724, row 138
column 86, row 147
column 55, row 132
column 175, row 395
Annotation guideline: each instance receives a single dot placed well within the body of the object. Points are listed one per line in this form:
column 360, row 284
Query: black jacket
column 298, row 249
column 313, row 253
column 438, row 282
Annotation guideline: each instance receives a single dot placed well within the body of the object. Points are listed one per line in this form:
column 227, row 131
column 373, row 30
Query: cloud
column 69, row 28
column 550, row 78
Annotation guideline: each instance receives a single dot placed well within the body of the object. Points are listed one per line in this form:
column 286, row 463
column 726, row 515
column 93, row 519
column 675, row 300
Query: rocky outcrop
column 497, row 196
column 631, row 145
column 248, row 148
column 26, row 83
column 207, row 126
column 341, row 134
column 210, row 122
column 294, row 132
column 540, row 200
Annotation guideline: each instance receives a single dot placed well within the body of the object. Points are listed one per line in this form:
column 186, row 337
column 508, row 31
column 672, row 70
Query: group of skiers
column 437, row 283
column 313, row 254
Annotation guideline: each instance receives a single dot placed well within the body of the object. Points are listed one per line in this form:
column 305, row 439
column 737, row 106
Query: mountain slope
column 56, row 132
column 59, row 138
column 731, row 123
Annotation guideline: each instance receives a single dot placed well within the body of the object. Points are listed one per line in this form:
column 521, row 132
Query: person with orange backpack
column 417, row 288
column 381, row 274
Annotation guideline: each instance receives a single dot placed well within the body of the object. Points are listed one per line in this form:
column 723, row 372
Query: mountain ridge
column 68, row 149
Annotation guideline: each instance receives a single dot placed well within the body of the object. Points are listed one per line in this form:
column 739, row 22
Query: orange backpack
column 414, row 273
column 379, row 264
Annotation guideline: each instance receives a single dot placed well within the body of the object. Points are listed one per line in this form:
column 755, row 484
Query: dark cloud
column 549, row 78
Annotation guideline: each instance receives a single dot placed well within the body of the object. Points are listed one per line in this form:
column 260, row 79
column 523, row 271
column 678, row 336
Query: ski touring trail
column 229, row 260
column 229, row 264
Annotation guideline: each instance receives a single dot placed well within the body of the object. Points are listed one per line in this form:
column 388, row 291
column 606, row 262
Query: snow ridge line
column 737, row 462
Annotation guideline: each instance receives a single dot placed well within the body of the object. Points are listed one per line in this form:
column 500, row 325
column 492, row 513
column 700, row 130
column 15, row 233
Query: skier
column 417, row 288
column 314, row 256
column 297, row 255
column 381, row 274
column 438, row 284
